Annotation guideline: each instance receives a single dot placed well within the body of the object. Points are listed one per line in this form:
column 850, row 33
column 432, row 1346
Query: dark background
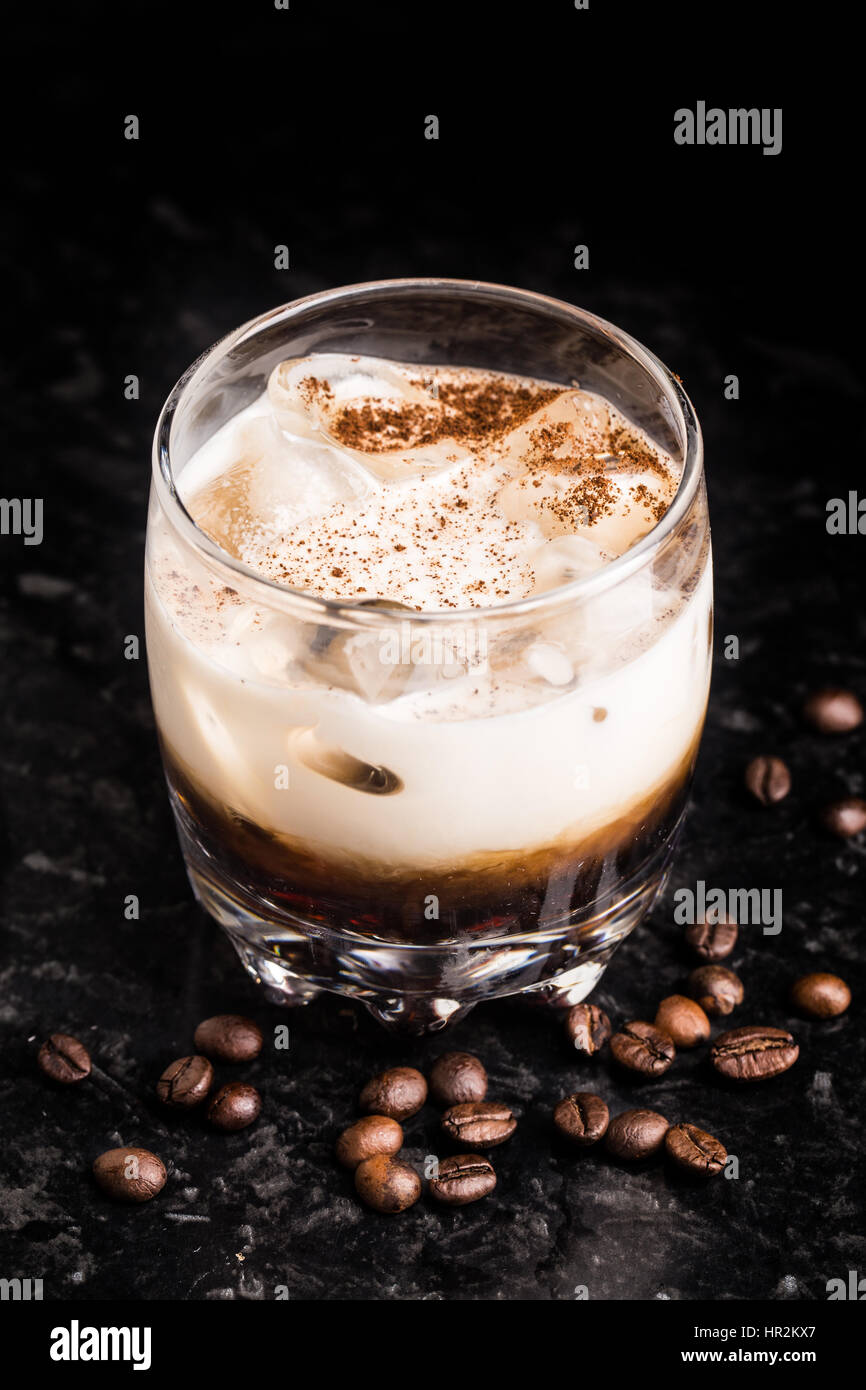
column 261, row 127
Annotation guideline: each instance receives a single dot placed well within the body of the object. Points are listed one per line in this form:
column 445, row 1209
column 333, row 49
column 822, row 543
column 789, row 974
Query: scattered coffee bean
column 582, row 1118
column 479, row 1124
column 683, row 1020
column 846, row 817
column 64, row 1059
column 820, row 995
column 234, row 1106
column 375, row 1134
column 463, row 1179
column 712, row 940
column 229, row 1038
column 588, row 1026
column 753, row 1053
column 717, row 989
column 185, row 1082
column 834, row 711
column 130, row 1175
column 694, row 1150
column 457, row 1078
column 768, row 779
column 635, row 1134
column 387, row 1184
column 398, row 1092
column 643, row 1048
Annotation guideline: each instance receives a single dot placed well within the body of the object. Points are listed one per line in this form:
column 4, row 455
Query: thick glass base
column 421, row 988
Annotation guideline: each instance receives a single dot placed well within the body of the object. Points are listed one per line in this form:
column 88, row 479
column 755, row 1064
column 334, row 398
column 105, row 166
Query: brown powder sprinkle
column 645, row 498
column 472, row 412
column 584, row 503
column 637, row 455
column 313, row 388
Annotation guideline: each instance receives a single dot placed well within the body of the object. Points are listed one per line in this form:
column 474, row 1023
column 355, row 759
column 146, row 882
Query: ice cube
column 228, row 762
column 295, row 479
column 268, row 643
column 572, row 419
column 305, row 392
column 374, row 666
column 395, row 659
column 273, row 650
column 311, row 396
column 629, row 517
column 366, row 663
column 623, row 610
column 550, row 663
column 340, row 766
column 531, row 497
column 565, row 559
column 273, row 483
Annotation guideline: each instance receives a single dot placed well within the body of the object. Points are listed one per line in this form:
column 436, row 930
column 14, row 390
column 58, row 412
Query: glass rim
column 345, row 611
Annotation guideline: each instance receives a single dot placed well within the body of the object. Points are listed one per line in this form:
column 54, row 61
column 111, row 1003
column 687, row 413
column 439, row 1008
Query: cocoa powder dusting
column 466, row 411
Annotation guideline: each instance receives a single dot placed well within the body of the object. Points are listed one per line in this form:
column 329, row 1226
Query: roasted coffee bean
column 820, row 995
column 753, row 1053
column 387, row 1184
column 398, row 1092
column 479, row 1124
column 683, row 1020
column 846, row 817
column 768, row 779
column 588, row 1027
column 186, row 1082
column 375, row 1134
column 130, row 1175
column 456, row 1078
column 834, row 711
column 717, row 989
column 582, row 1118
column 234, row 1106
column 643, row 1048
column 635, row 1134
column 695, row 1151
column 712, row 940
column 463, row 1179
column 64, row 1059
column 229, row 1038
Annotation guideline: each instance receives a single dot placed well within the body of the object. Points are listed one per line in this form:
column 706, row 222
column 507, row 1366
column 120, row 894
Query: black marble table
column 133, row 259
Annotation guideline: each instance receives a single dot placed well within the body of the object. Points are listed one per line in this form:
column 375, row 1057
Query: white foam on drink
column 435, row 488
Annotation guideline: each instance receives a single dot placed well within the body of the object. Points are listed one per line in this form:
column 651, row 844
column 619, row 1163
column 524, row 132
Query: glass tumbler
column 352, row 816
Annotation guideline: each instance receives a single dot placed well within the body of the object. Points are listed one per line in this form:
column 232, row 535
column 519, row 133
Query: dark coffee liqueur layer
column 490, row 892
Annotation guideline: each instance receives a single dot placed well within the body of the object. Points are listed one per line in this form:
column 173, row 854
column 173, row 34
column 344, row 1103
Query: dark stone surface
column 133, row 259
